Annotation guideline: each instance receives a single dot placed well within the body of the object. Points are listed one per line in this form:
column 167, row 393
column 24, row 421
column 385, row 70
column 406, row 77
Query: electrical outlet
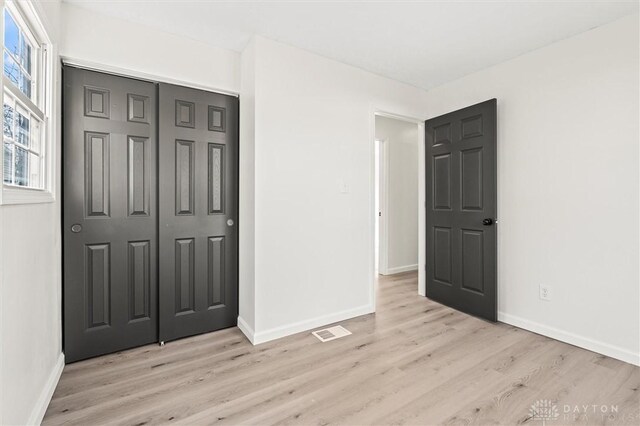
column 545, row 292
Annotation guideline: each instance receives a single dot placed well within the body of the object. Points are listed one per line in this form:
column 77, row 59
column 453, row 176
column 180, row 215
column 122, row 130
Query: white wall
column 247, row 176
column 30, row 293
column 567, row 185
column 402, row 193
column 314, row 131
column 121, row 46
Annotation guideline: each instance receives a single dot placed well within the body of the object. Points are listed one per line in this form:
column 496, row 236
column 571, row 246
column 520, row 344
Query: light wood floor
column 413, row 362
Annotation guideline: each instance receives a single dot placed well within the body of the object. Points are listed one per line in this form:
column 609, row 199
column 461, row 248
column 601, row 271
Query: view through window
column 23, row 118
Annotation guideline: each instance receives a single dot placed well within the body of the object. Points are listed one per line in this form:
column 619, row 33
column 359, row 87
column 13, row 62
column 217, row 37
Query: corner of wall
column 40, row 408
column 247, row 330
column 247, row 217
column 298, row 327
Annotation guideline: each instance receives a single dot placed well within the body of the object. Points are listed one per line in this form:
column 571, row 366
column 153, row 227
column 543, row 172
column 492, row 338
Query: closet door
column 109, row 213
column 198, row 233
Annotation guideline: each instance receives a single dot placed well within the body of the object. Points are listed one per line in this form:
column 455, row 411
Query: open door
column 461, row 209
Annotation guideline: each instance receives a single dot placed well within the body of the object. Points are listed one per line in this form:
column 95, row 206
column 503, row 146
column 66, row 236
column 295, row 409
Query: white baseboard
column 571, row 338
column 246, row 330
column 399, row 269
column 289, row 329
column 37, row 414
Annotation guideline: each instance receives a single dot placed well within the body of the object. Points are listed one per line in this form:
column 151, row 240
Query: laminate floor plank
column 413, row 362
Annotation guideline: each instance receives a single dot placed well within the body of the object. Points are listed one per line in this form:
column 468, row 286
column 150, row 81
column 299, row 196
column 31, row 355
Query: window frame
column 43, row 83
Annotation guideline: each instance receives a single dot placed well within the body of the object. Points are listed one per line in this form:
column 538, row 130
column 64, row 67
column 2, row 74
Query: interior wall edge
column 305, row 325
column 246, row 330
column 40, row 408
column 612, row 351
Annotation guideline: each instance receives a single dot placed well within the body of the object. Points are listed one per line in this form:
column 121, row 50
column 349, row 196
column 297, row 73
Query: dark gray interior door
column 461, row 209
column 109, row 213
column 198, row 211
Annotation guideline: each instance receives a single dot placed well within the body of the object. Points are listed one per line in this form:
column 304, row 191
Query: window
column 25, row 120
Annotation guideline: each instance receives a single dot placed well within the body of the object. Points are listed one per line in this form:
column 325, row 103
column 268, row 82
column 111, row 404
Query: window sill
column 12, row 196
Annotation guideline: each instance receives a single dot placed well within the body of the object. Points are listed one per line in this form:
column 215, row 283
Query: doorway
column 396, row 195
column 380, row 234
column 150, row 200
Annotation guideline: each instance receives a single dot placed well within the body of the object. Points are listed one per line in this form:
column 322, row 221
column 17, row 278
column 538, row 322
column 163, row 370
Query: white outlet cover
column 545, row 292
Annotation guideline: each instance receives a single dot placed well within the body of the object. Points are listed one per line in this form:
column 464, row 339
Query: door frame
column 419, row 121
column 383, row 206
column 139, row 75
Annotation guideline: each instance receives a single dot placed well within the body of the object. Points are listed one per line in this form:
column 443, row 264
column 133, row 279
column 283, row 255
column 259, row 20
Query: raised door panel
column 217, row 118
column 185, row 114
column 97, row 102
column 472, row 260
column 97, row 171
column 442, row 255
column 98, row 285
column 216, row 276
column 442, row 134
column 471, row 127
column 185, row 276
column 185, row 177
column 139, row 176
column 471, row 179
column 138, row 108
column 441, row 181
column 215, row 182
column 139, row 279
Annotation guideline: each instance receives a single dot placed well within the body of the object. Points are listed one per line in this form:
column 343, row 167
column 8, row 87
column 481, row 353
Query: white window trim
column 10, row 194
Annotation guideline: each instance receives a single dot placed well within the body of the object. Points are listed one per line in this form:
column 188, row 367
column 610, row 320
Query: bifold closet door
column 109, row 213
column 198, row 160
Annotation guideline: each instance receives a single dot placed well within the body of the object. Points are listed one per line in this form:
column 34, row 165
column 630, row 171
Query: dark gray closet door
column 461, row 209
column 109, row 213
column 198, row 211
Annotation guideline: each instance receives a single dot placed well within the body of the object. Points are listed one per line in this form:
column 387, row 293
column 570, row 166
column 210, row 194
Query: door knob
column 76, row 228
column 487, row 222
column 230, row 222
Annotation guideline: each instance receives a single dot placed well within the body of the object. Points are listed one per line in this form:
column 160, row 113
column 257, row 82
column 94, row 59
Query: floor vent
column 331, row 333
